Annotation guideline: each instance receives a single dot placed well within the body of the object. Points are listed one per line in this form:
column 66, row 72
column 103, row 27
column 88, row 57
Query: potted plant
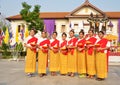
column 17, row 50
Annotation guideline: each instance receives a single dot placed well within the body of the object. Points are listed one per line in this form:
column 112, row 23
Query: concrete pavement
column 12, row 73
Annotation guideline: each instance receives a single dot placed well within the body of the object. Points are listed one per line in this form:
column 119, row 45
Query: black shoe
column 44, row 74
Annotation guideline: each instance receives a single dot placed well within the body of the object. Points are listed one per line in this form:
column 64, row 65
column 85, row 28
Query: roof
column 86, row 4
column 63, row 15
column 43, row 15
column 114, row 15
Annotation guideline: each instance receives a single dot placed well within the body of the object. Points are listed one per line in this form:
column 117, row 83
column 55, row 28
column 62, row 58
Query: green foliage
column 19, row 47
column 5, row 49
column 4, row 28
column 32, row 17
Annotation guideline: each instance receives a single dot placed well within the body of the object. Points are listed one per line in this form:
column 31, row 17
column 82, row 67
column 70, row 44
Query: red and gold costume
column 90, row 41
column 30, row 65
column 63, row 57
column 72, row 55
column 43, row 43
column 54, row 55
column 81, row 61
column 101, row 58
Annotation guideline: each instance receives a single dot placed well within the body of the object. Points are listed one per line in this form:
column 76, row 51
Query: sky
column 13, row 7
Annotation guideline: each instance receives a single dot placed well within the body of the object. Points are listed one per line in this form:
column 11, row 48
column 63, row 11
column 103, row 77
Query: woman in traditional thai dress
column 63, row 55
column 43, row 45
column 72, row 54
column 30, row 62
column 54, row 55
column 90, row 56
column 81, row 61
column 101, row 46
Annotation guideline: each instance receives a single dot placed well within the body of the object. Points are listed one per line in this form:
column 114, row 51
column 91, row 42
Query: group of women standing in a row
column 86, row 56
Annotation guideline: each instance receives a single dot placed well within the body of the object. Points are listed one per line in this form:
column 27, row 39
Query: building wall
column 15, row 23
column 76, row 24
column 115, row 27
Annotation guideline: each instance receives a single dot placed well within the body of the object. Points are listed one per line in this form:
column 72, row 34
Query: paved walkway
column 12, row 73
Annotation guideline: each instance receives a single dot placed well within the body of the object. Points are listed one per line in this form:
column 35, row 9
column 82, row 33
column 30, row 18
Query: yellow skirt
column 30, row 63
column 81, row 63
column 91, row 64
column 42, row 62
column 54, row 61
column 101, row 65
column 72, row 62
column 63, row 63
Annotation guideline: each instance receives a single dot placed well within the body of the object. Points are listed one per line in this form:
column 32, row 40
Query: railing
column 114, row 51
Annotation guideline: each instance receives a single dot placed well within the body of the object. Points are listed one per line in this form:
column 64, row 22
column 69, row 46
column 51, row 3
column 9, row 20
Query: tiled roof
column 43, row 15
column 61, row 15
column 53, row 15
column 113, row 14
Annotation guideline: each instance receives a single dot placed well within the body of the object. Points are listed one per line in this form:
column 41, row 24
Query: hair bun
column 81, row 30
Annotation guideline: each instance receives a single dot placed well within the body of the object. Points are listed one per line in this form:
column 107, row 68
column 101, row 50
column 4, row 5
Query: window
column 19, row 27
column 54, row 28
column 63, row 28
column 75, row 25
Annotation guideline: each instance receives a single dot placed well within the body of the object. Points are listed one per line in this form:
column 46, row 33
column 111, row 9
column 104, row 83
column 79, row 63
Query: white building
column 76, row 19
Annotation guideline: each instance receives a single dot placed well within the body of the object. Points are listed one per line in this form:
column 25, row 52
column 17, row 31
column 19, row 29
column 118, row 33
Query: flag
column 2, row 34
column 22, row 34
column 6, row 38
column 10, row 33
column 26, row 32
column 1, row 37
column 16, row 36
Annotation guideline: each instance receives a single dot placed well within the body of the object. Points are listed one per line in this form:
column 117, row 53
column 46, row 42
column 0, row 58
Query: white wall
column 86, row 11
column 60, row 22
column 115, row 27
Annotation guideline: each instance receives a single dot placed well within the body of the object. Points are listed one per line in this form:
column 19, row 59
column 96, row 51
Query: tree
column 32, row 17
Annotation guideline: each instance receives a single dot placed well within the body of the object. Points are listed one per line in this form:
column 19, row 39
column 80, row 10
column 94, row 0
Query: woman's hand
column 99, row 49
column 89, row 46
column 80, row 49
column 27, row 46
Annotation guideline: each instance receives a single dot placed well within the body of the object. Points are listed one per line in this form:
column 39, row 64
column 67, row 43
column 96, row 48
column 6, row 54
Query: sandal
column 41, row 75
column 72, row 75
column 69, row 74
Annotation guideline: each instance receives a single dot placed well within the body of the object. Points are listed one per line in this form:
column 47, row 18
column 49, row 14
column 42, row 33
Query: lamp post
column 110, row 26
